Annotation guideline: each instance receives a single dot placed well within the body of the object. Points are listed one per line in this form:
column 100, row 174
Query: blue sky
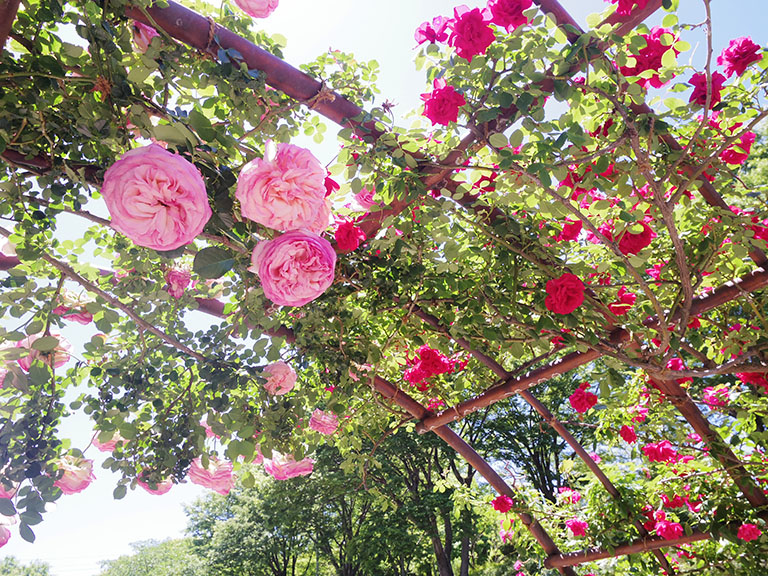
column 91, row 526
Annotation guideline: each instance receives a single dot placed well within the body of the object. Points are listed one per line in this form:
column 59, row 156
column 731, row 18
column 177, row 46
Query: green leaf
column 201, row 125
column 26, row 532
column 498, row 140
column 6, row 507
column 45, row 344
column 119, row 492
column 213, row 262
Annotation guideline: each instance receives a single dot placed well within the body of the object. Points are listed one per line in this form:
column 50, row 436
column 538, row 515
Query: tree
column 152, row 558
column 10, row 566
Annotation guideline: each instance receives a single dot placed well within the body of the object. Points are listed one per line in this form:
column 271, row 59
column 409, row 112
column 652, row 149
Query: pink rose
column 282, row 467
column 442, row 105
column 714, row 396
column 582, row 399
column 156, row 198
column 569, row 495
column 294, row 268
column 281, row 378
column 7, row 492
column 81, row 316
column 625, row 6
column 160, row 488
column 365, row 198
column 699, row 83
column 285, row 190
column 142, row 35
column 110, row 444
column 740, row 53
column 631, row 243
column 628, row 434
column 177, row 280
column 257, row 8
column 509, row 13
column 577, row 527
column 471, row 35
column 5, row 535
column 564, row 294
column 217, row 477
column 324, row 422
column 502, row 503
column 60, row 353
column 749, row 532
column 348, row 237
column 649, row 57
column 432, row 31
column 77, row 474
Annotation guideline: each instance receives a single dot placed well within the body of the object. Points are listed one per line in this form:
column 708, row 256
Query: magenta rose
column 502, row 503
column 508, row 14
column 257, row 8
column 699, row 83
column 571, row 231
column 5, row 535
column 294, row 268
column 282, row 467
column 660, row 452
column 285, row 190
column 577, row 527
column 564, row 294
column 156, row 198
column 324, row 422
column 582, row 399
column 649, row 57
column 442, row 105
column 432, row 32
column 281, row 378
column 739, row 152
column 348, row 237
column 217, row 476
column 740, row 53
column 76, row 474
column 628, row 434
column 749, row 532
column 625, row 7
column 471, row 35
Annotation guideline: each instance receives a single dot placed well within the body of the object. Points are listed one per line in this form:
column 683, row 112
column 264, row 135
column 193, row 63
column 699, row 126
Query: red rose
column 348, row 237
column 502, row 503
column 442, row 105
column 626, row 300
column 754, row 378
column 741, row 52
column 628, row 434
column 471, row 35
column 564, row 294
column 699, row 83
column 582, row 400
column 660, row 452
column 433, row 361
column 631, row 243
column 509, row 13
column 571, row 230
column 739, row 152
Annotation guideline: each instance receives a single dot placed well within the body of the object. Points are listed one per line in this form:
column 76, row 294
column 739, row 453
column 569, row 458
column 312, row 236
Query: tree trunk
column 443, row 562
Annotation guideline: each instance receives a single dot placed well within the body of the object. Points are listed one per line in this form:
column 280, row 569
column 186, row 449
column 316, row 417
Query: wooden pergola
column 207, row 37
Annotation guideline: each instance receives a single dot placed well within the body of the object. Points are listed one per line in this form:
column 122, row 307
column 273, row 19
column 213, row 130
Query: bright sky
column 89, row 527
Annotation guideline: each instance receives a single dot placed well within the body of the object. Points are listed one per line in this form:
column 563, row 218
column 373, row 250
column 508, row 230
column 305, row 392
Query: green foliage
column 152, row 558
column 10, row 566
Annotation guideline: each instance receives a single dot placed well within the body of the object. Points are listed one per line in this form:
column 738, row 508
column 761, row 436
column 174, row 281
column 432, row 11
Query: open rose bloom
column 281, row 378
column 257, row 8
column 77, row 474
column 156, row 198
column 294, row 268
column 60, row 353
column 158, row 489
column 324, row 422
column 285, row 190
column 283, row 467
column 217, row 476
